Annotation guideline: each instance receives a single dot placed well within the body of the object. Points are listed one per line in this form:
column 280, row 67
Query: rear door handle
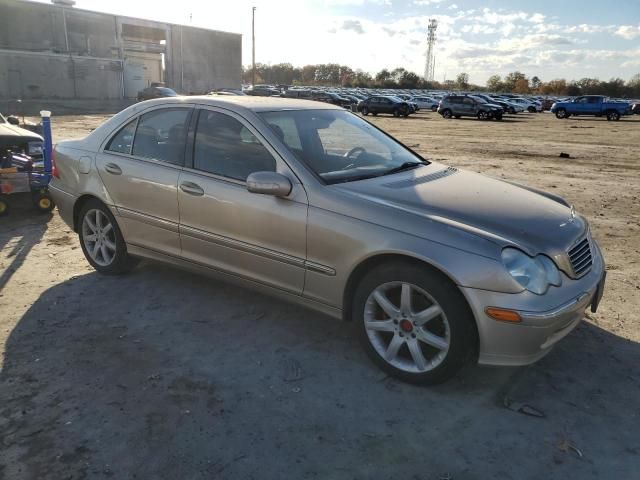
column 192, row 189
column 113, row 169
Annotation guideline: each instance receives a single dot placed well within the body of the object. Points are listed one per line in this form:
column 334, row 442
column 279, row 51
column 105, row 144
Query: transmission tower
column 430, row 64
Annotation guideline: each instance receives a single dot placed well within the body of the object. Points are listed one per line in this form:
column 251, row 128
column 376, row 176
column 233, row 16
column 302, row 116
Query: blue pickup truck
column 591, row 105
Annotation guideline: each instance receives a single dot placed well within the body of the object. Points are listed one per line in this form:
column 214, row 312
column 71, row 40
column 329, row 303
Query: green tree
column 511, row 80
column 535, row 82
column 494, row 84
column 462, row 81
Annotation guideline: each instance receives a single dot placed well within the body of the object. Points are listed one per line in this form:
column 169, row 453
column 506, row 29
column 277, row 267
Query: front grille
column 580, row 257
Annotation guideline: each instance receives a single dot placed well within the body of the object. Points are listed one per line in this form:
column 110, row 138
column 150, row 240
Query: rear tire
column 425, row 339
column 43, row 202
column 365, row 111
column 482, row 115
column 101, row 240
column 613, row 116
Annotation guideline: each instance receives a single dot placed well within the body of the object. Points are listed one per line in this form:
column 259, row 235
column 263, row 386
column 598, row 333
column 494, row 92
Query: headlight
column 534, row 274
column 34, row 148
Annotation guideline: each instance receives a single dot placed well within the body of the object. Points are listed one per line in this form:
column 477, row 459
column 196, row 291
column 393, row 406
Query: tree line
column 333, row 74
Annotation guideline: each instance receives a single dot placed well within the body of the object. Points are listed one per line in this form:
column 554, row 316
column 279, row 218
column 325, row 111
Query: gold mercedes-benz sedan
column 435, row 265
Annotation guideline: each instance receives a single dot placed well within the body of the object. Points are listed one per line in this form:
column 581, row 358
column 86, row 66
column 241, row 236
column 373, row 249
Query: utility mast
column 430, row 64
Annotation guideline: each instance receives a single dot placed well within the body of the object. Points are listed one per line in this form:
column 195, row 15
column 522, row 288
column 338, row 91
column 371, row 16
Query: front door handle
column 113, row 169
column 192, row 189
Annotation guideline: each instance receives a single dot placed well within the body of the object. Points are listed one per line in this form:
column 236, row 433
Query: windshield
column 338, row 145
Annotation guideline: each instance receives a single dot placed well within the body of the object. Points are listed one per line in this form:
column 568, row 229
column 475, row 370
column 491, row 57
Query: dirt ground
column 163, row 374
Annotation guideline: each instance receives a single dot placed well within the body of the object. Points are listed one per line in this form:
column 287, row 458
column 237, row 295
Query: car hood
column 8, row 130
column 502, row 212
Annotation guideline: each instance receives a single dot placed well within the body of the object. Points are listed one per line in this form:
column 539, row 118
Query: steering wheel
column 353, row 151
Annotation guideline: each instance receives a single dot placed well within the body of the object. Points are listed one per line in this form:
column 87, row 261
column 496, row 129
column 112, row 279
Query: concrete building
column 55, row 52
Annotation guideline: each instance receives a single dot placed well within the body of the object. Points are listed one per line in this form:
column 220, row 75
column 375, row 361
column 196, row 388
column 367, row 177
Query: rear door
column 139, row 166
column 222, row 224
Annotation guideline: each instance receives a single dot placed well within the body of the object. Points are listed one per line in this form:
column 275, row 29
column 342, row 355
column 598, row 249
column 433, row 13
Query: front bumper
column 546, row 319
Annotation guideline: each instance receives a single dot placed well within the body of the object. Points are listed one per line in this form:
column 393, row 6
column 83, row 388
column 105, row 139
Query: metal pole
column 253, row 46
column 48, row 140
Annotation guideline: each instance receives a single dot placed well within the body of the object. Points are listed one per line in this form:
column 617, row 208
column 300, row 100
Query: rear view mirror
column 269, row 183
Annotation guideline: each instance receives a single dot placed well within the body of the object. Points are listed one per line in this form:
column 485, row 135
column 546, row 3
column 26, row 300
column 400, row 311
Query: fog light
column 503, row 315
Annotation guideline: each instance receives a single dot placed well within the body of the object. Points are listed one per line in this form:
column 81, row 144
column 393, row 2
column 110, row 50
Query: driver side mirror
column 269, row 183
column 13, row 120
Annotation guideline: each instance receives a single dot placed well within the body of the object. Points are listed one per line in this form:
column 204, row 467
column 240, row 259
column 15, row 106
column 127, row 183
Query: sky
column 552, row 39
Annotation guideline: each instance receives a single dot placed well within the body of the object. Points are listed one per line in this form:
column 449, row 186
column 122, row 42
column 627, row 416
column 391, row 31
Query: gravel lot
column 163, row 374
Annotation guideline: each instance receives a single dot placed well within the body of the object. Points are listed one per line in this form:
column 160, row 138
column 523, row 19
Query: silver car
column 436, row 266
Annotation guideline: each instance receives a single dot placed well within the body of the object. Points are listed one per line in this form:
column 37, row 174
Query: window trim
column 154, row 161
column 122, row 127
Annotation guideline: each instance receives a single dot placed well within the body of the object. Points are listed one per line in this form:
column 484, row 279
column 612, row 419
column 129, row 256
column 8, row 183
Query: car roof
column 256, row 104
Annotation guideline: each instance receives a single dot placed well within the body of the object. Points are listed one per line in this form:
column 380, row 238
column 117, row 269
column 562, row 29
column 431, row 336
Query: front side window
column 122, row 141
column 339, row 146
column 161, row 135
column 225, row 147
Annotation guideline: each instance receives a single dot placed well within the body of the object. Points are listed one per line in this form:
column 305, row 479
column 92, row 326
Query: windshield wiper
column 404, row 166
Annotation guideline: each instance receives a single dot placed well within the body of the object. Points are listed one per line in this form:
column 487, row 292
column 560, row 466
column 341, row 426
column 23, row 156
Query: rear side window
column 161, row 135
column 122, row 141
column 225, row 147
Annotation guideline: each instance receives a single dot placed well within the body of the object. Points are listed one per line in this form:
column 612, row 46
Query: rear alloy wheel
column 482, row 115
column 613, row 116
column 101, row 240
column 561, row 113
column 365, row 111
column 446, row 113
column 414, row 325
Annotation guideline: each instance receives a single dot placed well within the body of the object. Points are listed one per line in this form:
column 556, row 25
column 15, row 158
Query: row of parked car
column 402, row 103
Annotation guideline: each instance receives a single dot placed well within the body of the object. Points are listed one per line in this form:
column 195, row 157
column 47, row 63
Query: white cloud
column 628, row 32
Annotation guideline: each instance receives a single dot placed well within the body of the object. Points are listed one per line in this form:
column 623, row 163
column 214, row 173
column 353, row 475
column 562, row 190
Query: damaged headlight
column 534, row 274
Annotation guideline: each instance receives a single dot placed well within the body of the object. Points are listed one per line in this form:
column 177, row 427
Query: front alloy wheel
column 413, row 322
column 482, row 115
column 407, row 327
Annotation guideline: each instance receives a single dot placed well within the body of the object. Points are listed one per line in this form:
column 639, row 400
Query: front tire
column 365, row 111
column 482, row 115
column 101, row 240
column 413, row 323
column 561, row 114
column 396, row 113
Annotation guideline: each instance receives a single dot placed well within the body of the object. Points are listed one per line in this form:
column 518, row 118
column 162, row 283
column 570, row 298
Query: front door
column 139, row 167
column 224, row 226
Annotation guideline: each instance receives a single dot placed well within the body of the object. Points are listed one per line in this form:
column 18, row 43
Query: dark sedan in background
column 384, row 104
